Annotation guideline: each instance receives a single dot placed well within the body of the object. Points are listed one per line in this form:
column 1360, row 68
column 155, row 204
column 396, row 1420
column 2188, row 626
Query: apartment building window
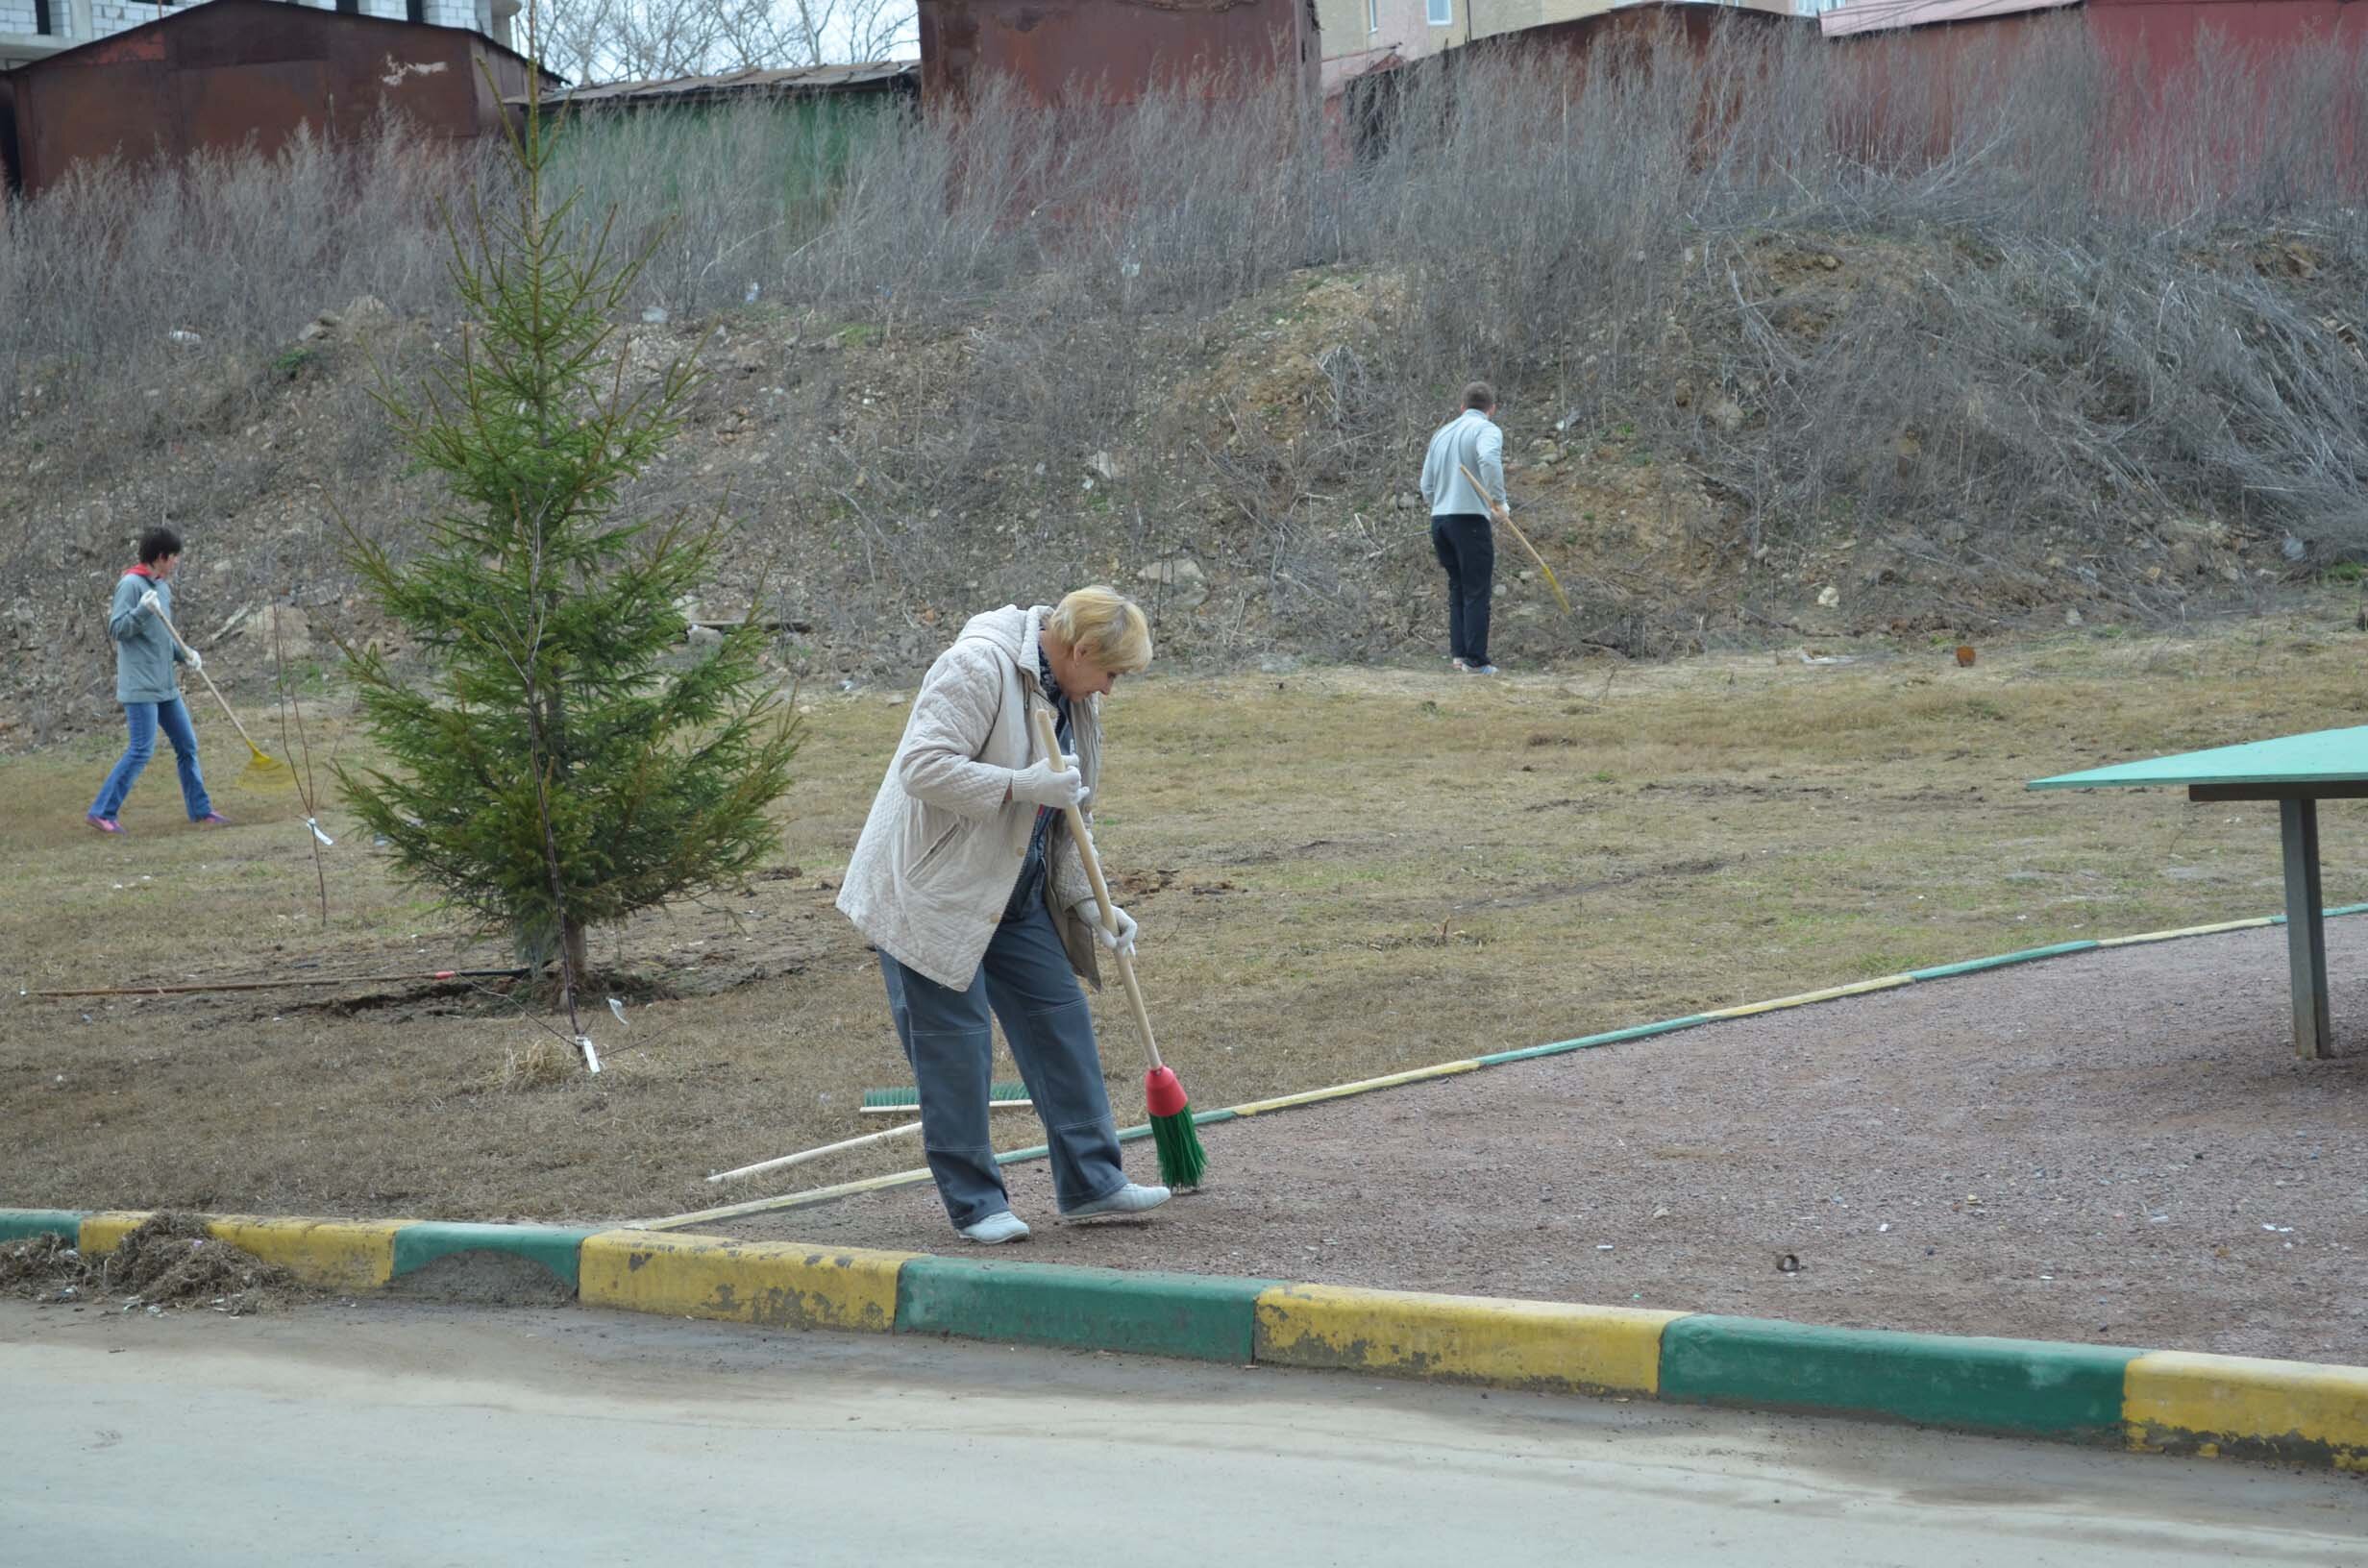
column 349, row 8
column 1373, row 16
column 42, row 24
column 415, row 11
column 1441, row 13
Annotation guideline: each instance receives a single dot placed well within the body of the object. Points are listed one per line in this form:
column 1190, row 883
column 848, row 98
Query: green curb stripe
column 24, row 1224
column 558, row 1248
column 1972, row 965
column 1096, row 1308
column 2025, row 1386
column 1612, row 1037
column 2328, row 914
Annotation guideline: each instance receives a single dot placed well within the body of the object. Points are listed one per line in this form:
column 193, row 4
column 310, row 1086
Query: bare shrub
column 2046, row 321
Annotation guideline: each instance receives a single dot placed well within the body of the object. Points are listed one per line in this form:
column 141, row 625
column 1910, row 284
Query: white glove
column 148, row 601
column 191, row 657
column 1120, row 940
column 1037, row 782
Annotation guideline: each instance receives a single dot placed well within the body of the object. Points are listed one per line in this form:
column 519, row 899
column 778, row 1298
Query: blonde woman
column 968, row 884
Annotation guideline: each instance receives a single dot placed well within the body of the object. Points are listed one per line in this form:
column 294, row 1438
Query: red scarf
column 141, row 571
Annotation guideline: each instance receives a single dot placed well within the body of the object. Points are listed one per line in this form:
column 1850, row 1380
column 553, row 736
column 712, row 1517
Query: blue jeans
column 1025, row 981
column 145, row 720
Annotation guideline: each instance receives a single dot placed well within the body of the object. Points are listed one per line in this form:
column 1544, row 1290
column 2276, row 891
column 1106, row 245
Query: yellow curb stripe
column 342, row 1253
column 774, row 1285
column 2176, row 1399
column 1445, row 1069
column 2254, row 923
column 105, row 1233
column 1512, row 1344
column 1856, row 987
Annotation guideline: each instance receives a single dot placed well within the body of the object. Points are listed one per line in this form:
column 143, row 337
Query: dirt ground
column 2117, row 1147
column 1341, row 872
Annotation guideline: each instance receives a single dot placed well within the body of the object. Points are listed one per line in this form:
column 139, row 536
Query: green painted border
column 1974, row 966
column 556, row 1247
column 24, row 1224
column 2029, row 1387
column 1189, row 1315
column 1613, row 1037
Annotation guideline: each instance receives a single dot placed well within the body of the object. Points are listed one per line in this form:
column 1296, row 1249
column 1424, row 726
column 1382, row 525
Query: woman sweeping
column 969, row 885
column 146, row 654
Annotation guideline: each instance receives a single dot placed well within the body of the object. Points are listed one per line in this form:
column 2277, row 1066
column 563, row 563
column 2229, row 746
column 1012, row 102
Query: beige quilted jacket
column 942, row 849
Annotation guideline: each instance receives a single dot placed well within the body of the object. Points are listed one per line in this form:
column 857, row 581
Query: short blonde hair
column 1106, row 626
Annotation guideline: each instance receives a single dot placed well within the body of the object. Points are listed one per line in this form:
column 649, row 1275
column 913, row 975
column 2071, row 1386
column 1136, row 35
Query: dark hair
column 1481, row 396
column 157, row 544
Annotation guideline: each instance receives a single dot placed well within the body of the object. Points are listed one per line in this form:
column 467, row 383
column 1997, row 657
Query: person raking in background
column 1462, row 533
column 967, row 881
column 147, row 687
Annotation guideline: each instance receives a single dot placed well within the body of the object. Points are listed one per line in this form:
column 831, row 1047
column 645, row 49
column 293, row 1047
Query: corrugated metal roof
column 867, row 74
column 1884, row 15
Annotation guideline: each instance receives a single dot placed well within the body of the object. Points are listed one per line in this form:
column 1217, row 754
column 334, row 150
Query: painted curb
column 772, row 1285
column 2183, row 1401
column 1504, row 1344
column 24, row 1224
column 554, row 1247
column 2023, row 1387
column 2146, row 1401
column 1192, row 1316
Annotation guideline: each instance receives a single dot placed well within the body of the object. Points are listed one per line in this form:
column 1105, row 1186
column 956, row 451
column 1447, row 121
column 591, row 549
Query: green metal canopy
column 2324, row 756
column 2297, row 771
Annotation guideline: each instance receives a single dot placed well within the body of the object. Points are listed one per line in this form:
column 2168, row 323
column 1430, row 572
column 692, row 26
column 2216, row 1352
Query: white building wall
column 80, row 21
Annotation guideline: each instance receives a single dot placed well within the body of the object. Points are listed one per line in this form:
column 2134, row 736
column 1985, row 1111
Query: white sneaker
column 997, row 1229
column 1130, row 1199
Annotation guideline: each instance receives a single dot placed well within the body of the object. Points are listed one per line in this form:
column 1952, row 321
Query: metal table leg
column 2306, row 931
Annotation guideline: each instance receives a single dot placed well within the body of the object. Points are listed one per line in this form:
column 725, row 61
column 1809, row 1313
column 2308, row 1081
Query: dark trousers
column 1466, row 548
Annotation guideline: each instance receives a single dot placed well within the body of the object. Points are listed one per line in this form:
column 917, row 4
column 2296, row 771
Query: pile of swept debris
column 168, row 1261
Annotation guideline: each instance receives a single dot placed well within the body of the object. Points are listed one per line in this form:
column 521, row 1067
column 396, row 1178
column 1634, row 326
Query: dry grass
column 1340, row 873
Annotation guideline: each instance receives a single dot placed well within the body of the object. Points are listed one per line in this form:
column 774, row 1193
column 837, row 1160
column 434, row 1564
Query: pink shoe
column 213, row 818
column 104, row 824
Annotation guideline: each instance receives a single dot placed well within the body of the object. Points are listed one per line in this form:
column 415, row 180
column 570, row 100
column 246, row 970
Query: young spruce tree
column 551, row 775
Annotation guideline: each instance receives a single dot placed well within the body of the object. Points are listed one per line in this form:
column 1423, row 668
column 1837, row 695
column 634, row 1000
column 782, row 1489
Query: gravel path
column 2118, row 1146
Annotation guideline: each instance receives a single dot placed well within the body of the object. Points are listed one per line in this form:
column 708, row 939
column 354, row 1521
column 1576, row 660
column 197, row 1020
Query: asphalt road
column 388, row 1433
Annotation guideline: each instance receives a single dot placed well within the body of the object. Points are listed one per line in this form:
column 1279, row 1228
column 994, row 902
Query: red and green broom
column 1181, row 1158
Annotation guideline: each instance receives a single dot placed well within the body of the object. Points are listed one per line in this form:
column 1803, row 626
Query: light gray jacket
column 941, row 849
column 1473, row 441
column 144, row 650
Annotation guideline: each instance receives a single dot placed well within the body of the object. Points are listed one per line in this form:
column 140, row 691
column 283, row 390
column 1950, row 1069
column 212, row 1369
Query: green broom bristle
column 1181, row 1158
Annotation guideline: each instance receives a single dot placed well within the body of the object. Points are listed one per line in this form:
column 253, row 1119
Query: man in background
column 1462, row 532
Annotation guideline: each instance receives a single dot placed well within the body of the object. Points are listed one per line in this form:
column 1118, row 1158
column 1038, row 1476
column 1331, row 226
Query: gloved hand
column 191, row 657
column 148, row 601
column 1037, row 782
column 1120, row 940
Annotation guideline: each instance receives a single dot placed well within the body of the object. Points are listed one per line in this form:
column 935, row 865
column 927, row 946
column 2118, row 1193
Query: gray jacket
column 144, row 650
column 1471, row 440
column 941, row 849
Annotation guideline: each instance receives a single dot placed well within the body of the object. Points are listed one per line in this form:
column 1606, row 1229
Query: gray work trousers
column 1026, row 982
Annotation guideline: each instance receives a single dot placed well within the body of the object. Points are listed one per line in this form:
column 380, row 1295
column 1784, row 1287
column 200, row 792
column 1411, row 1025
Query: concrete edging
column 2144, row 1401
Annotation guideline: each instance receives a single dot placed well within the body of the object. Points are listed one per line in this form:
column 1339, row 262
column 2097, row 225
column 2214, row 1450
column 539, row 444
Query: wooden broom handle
column 1048, row 737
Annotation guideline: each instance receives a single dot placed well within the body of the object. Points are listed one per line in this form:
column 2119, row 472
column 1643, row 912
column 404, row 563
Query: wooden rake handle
column 1506, row 518
column 1048, row 737
column 174, row 632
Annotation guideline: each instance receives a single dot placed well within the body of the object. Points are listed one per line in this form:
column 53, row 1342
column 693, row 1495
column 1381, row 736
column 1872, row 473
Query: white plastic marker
column 318, row 834
column 591, row 1057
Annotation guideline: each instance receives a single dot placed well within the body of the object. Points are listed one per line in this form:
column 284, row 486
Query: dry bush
column 2048, row 323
